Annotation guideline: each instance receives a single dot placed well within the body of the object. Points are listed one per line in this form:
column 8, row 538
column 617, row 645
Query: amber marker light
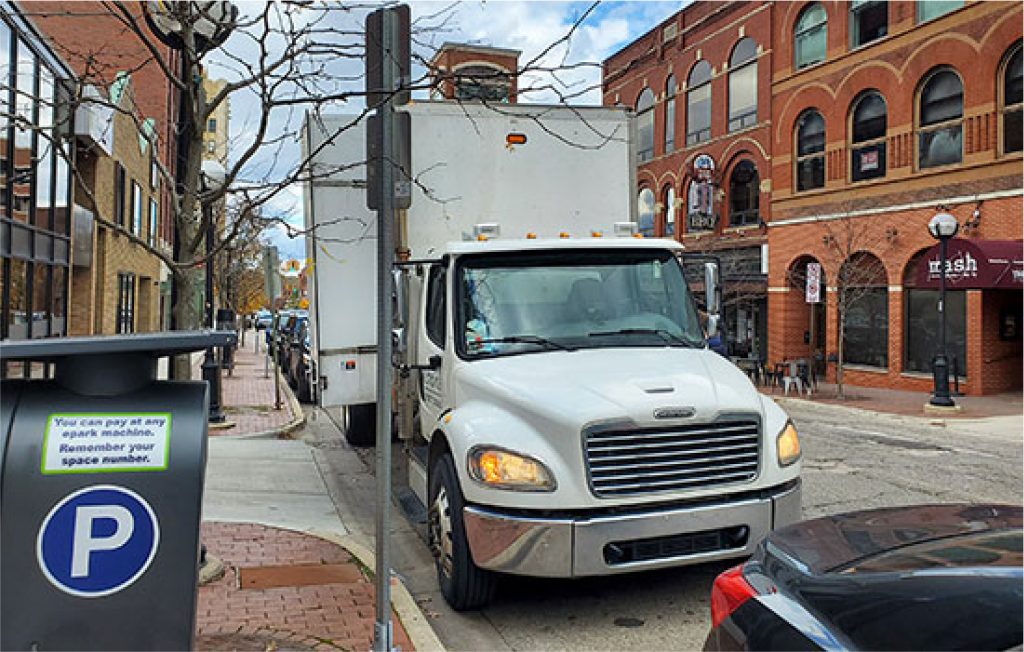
column 515, row 139
column 501, row 469
column 531, row 236
column 563, row 235
column 788, row 445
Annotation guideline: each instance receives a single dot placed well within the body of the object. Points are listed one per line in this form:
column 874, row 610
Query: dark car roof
column 846, row 542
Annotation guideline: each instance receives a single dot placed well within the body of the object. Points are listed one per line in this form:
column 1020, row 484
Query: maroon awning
column 974, row 264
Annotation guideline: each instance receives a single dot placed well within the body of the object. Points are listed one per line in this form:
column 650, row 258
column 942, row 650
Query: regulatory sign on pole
column 813, row 283
column 401, row 157
column 380, row 88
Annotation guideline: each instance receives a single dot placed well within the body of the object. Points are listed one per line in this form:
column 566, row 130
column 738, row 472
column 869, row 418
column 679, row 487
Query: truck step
column 413, row 509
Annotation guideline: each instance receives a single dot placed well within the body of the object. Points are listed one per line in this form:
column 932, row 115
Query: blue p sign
column 97, row 541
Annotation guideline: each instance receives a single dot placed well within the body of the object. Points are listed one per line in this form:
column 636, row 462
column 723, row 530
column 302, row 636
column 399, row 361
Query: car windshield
column 558, row 300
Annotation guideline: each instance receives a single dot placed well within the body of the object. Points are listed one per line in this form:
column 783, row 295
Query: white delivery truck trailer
column 565, row 416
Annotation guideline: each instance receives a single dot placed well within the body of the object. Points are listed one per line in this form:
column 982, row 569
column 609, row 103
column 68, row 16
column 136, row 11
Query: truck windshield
column 527, row 302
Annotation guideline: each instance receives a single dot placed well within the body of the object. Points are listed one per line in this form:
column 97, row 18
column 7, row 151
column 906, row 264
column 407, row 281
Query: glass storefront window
column 922, row 329
column 867, row 328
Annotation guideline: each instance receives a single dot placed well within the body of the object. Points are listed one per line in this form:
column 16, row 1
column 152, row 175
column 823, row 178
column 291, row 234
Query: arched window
column 482, row 82
column 864, row 293
column 668, row 197
column 700, row 214
column 1013, row 101
column 698, row 104
column 941, row 111
column 867, row 137
column 869, row 20
column 744, row 195
column 670, row 114
column 810, row 150
column 929, row 9
column 645, row 211
column 810, row 38
column 743, row 85
column 645, row 124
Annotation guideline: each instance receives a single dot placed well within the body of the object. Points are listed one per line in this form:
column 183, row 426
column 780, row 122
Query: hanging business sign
column 813, row 292
column 700, row 214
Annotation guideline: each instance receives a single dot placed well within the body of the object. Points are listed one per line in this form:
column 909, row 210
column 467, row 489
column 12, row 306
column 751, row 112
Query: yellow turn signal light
column 788, row 445
column 505, row 470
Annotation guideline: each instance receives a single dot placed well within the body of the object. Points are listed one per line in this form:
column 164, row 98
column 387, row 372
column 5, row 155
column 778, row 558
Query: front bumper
column 588, row 545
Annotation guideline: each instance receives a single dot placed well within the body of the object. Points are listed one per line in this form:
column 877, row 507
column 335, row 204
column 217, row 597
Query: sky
column 529, row 26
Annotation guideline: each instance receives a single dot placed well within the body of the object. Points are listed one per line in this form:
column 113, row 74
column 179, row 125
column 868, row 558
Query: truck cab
column 576, row 422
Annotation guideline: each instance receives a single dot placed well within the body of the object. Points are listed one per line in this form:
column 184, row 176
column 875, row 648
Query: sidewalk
column 294, row 577
column 893, row 401
column 248, row 395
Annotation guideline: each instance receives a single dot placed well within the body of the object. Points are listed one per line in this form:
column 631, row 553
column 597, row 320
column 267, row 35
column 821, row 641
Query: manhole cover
column 271, row 577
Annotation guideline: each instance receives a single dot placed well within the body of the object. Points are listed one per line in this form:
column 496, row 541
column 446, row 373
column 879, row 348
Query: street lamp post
column 942, row 227
column 213, row 177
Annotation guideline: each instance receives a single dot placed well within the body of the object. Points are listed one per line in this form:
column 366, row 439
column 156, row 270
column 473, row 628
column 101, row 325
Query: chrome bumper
column 575, row 547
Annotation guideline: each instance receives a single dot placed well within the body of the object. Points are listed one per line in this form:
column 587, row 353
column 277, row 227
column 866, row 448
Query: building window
column 482, row 83
column 810, row 38
column 211, row 147
column 941, row 113
column 810, row 151
column 645, row 125
column 867, row 149
column 645, row 211
column 137, row 203
column 153, row 213
column 700, row 214
column 698, row 104
column 670, row 114
column 1013, row 102
column 743, row 85
column 869, row 21
column 744, row 195
column 120, row 190
column 669, row 199
column 154, row 171
column 929, row 9
column 922, row 329
column 125, row 303
column 211, row 125
column 864, row 290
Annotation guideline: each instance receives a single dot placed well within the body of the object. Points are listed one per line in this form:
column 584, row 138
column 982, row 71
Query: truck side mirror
column 711, row 292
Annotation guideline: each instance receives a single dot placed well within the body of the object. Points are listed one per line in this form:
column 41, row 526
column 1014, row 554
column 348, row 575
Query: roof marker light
column 563, row 234
column 531, row 236
column 596, row 234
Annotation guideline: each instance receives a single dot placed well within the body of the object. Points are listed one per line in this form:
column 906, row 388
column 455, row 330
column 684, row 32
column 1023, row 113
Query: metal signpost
column 101, row 489
column 387, row 81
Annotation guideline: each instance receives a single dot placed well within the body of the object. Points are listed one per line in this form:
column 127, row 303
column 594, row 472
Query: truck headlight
column 788, row 445
column 501, row 469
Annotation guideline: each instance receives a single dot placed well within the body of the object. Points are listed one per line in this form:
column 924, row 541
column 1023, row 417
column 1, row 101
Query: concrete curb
column 409, row 613
column 279, row 432
column 416, row 626
column 930, row 419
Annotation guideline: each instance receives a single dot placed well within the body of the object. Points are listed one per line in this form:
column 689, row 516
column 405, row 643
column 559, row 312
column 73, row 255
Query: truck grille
column 647, row 460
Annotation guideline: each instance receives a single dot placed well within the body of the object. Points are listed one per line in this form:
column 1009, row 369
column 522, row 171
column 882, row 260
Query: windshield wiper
column 669, row 337
column 525, row 339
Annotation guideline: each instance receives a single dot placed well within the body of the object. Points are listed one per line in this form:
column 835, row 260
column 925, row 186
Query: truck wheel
column 361, row 426
column 465, row 585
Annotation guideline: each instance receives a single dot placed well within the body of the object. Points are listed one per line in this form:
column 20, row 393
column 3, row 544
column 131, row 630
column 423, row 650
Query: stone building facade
column 461, row 71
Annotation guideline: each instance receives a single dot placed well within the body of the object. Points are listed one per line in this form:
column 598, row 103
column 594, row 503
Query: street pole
column 211, row 368
column 383, row 634
column 941, row 365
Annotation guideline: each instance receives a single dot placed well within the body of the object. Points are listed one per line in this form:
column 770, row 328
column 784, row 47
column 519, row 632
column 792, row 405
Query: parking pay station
column 101, row 490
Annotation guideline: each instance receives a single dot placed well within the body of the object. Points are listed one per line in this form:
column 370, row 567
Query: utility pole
column 387, row 77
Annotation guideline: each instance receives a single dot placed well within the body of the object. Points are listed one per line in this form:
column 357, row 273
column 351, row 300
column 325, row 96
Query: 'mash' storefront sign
column 975, row 264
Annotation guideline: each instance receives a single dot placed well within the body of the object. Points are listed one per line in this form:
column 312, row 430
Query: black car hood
column 842, row 542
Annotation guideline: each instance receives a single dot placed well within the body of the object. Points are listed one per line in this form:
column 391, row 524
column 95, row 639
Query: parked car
column 301, row 369
column 287, row 332
column 934, row 577
column 264, row 319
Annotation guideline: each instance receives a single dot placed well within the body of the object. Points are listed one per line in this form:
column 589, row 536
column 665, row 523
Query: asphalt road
column 852, row 460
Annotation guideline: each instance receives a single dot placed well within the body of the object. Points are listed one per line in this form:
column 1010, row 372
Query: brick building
column 883, row 114
column 460, row 71
column 700, row 83
column 780, row 134
column 118, row 286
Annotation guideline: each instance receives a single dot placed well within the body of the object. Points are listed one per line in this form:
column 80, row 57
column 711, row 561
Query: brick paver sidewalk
column 235, row 613
column 248, row 397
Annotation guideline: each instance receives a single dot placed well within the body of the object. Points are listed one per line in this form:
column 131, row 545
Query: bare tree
column 853, row 247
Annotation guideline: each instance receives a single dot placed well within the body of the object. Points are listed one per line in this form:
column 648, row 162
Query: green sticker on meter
column 106, row 442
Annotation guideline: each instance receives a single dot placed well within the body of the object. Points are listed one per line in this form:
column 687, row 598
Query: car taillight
column 729, row 591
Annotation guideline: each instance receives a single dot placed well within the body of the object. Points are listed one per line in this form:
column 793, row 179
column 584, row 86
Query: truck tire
column 465, row 585
column 361, row 425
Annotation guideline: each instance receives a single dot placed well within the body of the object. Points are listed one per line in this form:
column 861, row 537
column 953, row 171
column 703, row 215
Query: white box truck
column 562, row 411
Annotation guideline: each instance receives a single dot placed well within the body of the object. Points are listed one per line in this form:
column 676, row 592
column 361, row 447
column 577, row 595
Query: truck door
column 431, row 342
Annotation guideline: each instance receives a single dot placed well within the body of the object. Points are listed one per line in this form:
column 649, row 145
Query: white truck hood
column 585, row 386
